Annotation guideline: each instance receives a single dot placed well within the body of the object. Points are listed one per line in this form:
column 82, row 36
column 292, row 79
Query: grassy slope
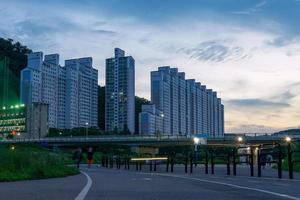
column 296, row 156
column 29, row 162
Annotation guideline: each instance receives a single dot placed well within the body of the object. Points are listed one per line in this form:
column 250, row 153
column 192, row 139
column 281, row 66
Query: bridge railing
column 104, row 138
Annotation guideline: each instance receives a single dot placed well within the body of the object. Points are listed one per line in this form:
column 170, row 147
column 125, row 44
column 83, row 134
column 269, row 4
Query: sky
column 248, row 51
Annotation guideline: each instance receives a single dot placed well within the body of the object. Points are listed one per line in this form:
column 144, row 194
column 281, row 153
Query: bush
column 27, row 162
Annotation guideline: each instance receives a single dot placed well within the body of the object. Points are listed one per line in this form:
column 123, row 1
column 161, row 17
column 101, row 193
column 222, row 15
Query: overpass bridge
column 148, row 140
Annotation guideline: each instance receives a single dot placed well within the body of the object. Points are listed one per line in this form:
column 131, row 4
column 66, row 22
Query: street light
column 240, row 139
column 86, row 130
column 196, row 140
column 288, row 139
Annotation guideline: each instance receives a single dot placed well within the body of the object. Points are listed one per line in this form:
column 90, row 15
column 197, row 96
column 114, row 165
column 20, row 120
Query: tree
column 16, row 53
column 138, row 108
column 126, row 130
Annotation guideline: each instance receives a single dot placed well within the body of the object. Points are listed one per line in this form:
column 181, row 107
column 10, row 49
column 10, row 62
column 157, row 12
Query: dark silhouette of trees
column 16, row 53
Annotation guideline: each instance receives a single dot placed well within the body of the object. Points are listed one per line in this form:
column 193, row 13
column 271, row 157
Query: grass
column 296, row 156
column 32, row 162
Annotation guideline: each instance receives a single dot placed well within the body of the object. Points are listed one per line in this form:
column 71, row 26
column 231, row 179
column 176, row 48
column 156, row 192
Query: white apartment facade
column 150, row 121
column 70, row 91
column 188, row 108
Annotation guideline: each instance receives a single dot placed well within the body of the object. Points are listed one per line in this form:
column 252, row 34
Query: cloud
column 106, row 32
column 252, row 128
column 214, row 52
column 285, row 96
column 252, row 75
column 280, row 41
column 254, row 9
column 256, row 103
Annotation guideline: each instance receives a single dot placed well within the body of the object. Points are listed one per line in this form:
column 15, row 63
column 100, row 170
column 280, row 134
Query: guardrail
column 134, row 138
column 97, row 139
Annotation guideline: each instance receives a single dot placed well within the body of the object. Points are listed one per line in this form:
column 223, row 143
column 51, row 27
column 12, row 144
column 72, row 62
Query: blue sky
column 246, row 50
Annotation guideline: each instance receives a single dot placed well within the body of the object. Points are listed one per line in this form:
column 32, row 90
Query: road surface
column 112, row 184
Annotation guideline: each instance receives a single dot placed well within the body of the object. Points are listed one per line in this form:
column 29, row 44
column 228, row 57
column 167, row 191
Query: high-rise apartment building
column 120, row 92
column 150, row 120
column 70, row 91
column 187, row 106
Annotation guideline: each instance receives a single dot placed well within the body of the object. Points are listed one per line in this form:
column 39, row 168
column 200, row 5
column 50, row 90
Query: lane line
column 86, row 188
column 232, row 185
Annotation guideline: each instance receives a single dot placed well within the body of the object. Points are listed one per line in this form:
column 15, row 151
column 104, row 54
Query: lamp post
column 86, row 130
column 196, row 142
column 288, row 140
column 163, row 125
column 240, row 139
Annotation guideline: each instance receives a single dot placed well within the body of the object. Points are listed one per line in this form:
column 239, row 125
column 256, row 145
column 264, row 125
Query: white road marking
column 86, row 188
column 234, row 186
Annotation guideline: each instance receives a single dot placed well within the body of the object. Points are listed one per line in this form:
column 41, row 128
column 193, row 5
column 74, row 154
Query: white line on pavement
column 233, row 185
column 86, row 188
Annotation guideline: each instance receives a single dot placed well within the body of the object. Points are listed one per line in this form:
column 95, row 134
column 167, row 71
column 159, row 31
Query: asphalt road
column 111, row 184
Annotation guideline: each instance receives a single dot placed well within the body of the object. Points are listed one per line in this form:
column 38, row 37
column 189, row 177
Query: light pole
column 86, row 130
column 163, row 125
column 288, row 140
column 240, row 139
column 196, row 142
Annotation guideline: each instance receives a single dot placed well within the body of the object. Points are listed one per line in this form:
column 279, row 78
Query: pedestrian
column 90, row 155
column 269, row 159
column 77, row 156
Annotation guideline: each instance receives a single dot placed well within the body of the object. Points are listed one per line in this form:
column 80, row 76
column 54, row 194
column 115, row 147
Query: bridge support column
column 206, row 161
column 212, row 162
column 251, row 162
column 172, row 163
column 167, row 165
column 290, row 162
column 228, row 163
column 258, row 163
column 186, row 163
column 191, row 163
column 234, row 161
column 279, row 161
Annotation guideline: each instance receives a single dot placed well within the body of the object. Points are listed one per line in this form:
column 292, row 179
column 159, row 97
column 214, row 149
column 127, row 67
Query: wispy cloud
column 214, row 52
column 256, row 103
column 253, row 128
column 254, row 9
column 254, row 70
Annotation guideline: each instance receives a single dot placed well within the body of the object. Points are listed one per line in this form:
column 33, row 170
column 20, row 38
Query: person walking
column 77, row 156
column 90, row 155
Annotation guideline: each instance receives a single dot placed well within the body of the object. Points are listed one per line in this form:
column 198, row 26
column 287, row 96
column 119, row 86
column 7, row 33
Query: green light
column 11, row 106
column 16, row 106
column 3, row 107
column 22, row 105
